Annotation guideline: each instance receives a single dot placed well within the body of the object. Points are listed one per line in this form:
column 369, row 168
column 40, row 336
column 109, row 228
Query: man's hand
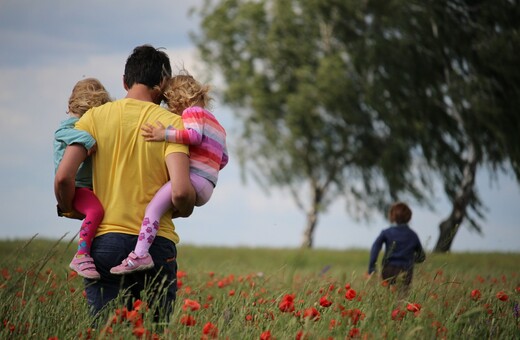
column 153, row 133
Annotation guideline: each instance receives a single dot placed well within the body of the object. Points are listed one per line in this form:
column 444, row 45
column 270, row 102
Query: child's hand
column 153, row 133
column 71, row 214
column 92, row 150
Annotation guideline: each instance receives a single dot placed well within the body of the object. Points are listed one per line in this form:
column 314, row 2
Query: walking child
column 87, row 93
column 402, row 247
column 208, row 155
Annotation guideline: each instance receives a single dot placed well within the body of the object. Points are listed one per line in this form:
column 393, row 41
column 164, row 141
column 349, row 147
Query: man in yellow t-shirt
column 127, row 172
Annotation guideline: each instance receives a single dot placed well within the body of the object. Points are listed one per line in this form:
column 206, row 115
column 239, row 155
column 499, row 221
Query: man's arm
column 183, row 194
column 65, row 179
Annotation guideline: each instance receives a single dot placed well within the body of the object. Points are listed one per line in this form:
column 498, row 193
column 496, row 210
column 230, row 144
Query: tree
column 300, row 99
column 363, row 100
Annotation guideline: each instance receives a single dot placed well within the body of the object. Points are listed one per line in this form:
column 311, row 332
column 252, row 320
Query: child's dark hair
column 183, row 91
column 400, row 213
column 148, row 66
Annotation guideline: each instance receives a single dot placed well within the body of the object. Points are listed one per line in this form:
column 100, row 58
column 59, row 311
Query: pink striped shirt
column 207, row 141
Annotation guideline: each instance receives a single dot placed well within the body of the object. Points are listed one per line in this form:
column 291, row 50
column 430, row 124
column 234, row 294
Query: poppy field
column 243, row 293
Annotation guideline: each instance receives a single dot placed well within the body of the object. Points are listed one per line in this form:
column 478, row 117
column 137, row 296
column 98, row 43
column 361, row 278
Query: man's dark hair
column 148, row 66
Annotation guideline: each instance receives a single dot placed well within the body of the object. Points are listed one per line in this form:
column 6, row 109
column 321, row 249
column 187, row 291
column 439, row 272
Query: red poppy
column 287, row 304
column 413, row 307
column 311, row 313
column 475, row 294
column 354, row 333
column 210, row 329
column 266, row 335
column 138, row 332
column 398, row 314
column 188, row 320
column 333, row 323
column 502, row 296
column 350, row 294
column 191, row 305
column 324, row 301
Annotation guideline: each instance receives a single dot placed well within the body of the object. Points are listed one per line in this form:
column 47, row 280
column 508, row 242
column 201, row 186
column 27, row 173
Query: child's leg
column 203, row 189
column 160, row 203
column 86, row 202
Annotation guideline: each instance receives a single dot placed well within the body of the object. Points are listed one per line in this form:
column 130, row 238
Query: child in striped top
column 208, row 155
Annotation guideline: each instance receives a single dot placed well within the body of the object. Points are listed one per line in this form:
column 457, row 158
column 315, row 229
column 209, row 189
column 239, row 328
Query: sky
column 47, row 46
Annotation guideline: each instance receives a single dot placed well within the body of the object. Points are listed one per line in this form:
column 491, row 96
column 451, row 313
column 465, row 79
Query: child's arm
column 191, row 134
column 225, row 158
column 73, row 136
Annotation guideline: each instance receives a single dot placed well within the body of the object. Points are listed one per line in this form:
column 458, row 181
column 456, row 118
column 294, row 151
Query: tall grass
column 236, row 293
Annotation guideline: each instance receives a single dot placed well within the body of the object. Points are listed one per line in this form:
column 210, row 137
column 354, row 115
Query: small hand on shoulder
column 153, row 133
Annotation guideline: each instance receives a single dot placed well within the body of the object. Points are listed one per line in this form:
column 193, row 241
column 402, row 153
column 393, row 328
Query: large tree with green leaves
column 360, row 100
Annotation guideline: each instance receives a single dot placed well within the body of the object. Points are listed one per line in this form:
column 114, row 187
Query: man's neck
column 140, row 92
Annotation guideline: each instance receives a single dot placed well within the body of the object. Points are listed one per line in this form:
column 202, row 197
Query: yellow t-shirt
column 127, row 170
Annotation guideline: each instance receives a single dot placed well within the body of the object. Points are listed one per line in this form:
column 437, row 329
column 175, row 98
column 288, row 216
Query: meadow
column 245, row 293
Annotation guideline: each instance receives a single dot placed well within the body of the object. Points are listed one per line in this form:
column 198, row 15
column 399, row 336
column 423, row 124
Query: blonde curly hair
column 183, row 91
column 86, row 94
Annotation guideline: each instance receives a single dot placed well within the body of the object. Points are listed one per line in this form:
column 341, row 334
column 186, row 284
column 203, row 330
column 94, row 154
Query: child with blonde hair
column 86, row 94
column 208, row 155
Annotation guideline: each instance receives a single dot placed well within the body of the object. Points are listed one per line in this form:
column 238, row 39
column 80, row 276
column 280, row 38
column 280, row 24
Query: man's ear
column 125, row 86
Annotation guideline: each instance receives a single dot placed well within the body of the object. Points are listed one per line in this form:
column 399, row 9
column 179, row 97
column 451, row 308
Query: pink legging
column 160, row 203
column 87, row 203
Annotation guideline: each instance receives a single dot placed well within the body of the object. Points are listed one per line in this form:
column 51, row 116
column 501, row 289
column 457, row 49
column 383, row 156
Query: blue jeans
column 110, row 250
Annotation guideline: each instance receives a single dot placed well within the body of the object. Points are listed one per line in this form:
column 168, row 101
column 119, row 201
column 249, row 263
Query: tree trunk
column 312, row 218
column 449, row 227
column 308, row 234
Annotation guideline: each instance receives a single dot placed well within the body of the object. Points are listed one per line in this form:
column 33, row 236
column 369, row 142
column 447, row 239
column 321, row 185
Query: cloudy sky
column 46, row 46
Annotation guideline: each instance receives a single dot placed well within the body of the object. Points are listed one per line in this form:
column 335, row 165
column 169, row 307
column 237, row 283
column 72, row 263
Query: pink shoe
column 133, row 263
column 85, row 267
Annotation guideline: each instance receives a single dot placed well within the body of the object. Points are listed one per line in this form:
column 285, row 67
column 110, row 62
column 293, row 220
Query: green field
column 238, row 293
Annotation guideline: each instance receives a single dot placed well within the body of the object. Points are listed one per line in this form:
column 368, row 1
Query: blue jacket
column 66, row 135
column 402, row 248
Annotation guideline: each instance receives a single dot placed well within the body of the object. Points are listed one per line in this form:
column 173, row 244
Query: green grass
column 240, row 289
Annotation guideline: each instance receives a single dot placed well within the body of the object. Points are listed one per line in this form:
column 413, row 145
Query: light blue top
column 67, row 135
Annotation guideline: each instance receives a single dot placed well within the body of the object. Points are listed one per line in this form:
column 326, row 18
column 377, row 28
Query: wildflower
column 138, row 332
column 350, row 294
column 138, row 304
column 356, row 315
column 266, row 335
column 413, row 307
column 325, row 302
column 333, row 323
column 502, row 296
column 72, row 275
column 311, row 313
column 210, row 330
column 475, row 294
column 354, row 333
column 398, row 314
column 191, row 305
column 133, row 316
column 287, row 304
column 188, row 320
column 231, row 292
